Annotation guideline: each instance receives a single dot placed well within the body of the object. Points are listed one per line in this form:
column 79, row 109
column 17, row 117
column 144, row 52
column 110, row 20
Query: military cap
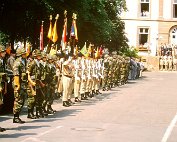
column 20, row 51
column 106, row 56
column 2, row 48
column 54, row 57
column 38, row 52
column 49, row 57
column 44, row 55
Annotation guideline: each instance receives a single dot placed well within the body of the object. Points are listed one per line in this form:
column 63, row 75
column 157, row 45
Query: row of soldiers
column 42, row 77
column 168, row 63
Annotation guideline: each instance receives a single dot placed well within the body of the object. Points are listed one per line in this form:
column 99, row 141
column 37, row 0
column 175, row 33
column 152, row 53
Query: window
column 174, row 8
column 144, row 8
column 143, row 36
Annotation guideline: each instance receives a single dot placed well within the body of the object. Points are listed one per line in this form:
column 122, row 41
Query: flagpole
column 49, row 35
column 73, row 40
column 41, row 37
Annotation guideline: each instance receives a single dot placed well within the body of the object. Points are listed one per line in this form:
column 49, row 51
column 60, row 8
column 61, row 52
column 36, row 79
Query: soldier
column 20, row 83
column 44, row 75
column 106, row 71
column 161, row 63
column 170, row 64
column 77, row 81
column 68, row 75
column 34, row 71
column 51, row 73
column 83, row 79
column 2, row 77
column 166, row 64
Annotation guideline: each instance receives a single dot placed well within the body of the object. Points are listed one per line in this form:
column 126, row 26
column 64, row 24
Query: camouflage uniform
column 2, row 76
column 106, row 71
column 20, row 84
column 34, row 70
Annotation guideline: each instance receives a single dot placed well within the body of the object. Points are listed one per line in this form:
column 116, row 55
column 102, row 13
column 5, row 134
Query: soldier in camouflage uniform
column 2, row 77
column 34, row 70
column 20, row 83
column 51, row 74
column 106, row 71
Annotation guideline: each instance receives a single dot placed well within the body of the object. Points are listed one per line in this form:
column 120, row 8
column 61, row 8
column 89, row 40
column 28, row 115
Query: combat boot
column 82, row 97
column 44, row 111
column 65, row 104
column 39, row 113
column 16, row 119
column 77, row 99
column 30, row 114
column 2, row 129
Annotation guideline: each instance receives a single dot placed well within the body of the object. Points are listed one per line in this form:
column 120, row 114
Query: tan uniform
column 68, row 74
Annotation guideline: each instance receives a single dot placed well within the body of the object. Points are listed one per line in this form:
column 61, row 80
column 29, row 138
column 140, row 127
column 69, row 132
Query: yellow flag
column 50, row 29
column 54, row 32
column 84, row 50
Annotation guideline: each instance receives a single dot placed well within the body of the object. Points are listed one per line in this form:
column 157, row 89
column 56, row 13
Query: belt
column 68, row 76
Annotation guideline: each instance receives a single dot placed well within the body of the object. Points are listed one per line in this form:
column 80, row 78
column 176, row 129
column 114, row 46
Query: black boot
column 16, row 119
column 85, row 96
column 70, row 102
column 30, row 114
column 39, row 113
column 82, row 97
column 2, row 129
column 77, row 99
column 44, row 111
column 65, row 104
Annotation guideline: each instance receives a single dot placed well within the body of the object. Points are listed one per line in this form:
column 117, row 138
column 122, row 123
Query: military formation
column 41, row 78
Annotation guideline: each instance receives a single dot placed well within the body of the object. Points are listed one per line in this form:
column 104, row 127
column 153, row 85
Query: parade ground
column 143, row 110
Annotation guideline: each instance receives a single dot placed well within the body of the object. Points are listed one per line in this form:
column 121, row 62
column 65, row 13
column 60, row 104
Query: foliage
column 98, row 20
column 131, row 52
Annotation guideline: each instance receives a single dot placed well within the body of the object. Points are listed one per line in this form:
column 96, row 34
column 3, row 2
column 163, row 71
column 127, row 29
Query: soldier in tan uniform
column 77, row 80
column 170, row 64
column 68, row 76
column 161, row 63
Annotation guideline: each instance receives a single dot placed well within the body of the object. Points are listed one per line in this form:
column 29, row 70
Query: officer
column 20, row 83
column 68, row 75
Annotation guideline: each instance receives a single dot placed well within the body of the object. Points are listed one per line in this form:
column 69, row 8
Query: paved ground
column 141, row 111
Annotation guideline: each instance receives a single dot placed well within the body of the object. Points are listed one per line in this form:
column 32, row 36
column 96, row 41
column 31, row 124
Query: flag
column 50, row 29
column 28, row 49
column 101, row 51
column 97, row 55
column 90, row 49
column 41, row 38
column 54, row 32
column 76, row 51
column 84, row 50
column 74, row 30
column 64, row 35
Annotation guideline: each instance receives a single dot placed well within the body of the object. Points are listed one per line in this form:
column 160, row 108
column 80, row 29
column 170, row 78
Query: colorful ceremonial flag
column 101, row 51
column 84, row 50
column 28, row 49
column 41, row 38
column 64, row 36
column 74, row 30
column 97, row 55
column 50, row 29
column 54, row 32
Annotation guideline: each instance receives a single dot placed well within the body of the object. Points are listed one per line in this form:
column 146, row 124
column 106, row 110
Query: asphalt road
column 143, row 110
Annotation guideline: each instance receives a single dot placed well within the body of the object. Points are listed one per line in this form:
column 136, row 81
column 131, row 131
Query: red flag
column 64, row 36
column 41, row 38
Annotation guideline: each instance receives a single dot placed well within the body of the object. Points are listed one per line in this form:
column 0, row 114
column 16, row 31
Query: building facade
column 150, row 23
